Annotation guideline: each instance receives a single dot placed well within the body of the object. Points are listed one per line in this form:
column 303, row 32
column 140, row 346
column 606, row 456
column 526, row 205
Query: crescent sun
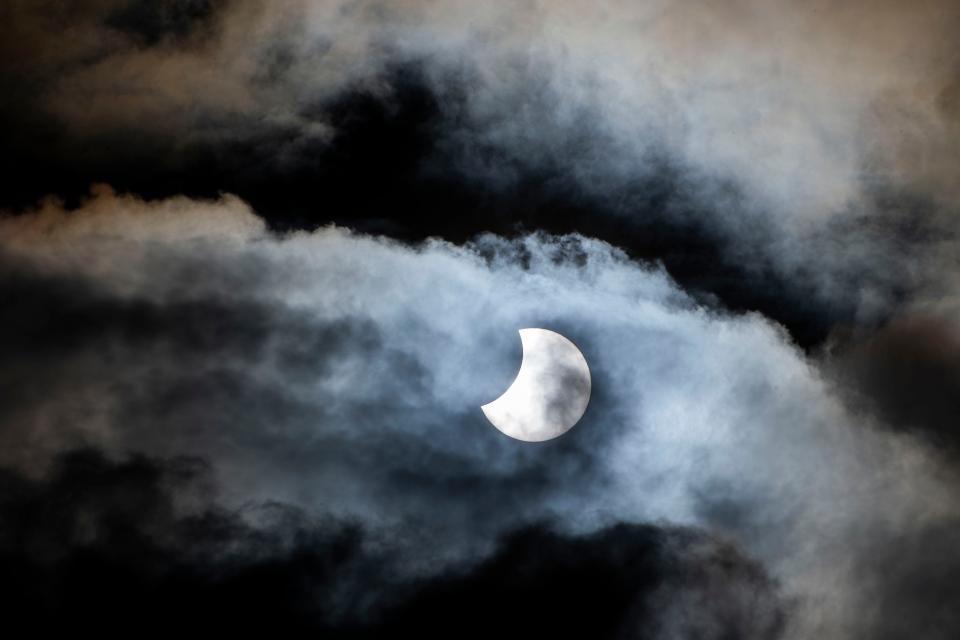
column 550, row 393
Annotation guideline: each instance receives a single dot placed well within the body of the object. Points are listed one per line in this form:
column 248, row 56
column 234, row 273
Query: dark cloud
column 137, row 546
column 908, row 371
column 98, row 546
column 918, row 589
column 152, row 22
column 623, row 582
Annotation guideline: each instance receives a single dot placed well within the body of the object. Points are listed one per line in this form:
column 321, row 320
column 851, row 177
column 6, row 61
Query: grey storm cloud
column 342, row 374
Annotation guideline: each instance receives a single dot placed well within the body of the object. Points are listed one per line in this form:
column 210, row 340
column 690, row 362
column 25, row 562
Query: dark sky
column 261, row 263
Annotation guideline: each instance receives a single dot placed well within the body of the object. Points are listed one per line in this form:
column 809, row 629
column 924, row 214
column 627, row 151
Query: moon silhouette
column 550, row 393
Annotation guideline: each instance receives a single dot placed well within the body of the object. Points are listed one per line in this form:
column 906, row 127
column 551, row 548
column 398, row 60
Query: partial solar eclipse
column 550, row 393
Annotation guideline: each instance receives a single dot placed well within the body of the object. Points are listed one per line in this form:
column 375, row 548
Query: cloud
column 341, row 374
column 139, row 540
column 796, row 138
column 906, row 371
column 796, row 160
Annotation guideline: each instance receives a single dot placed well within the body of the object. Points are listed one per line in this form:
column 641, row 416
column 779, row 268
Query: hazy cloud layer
column 342, row 374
